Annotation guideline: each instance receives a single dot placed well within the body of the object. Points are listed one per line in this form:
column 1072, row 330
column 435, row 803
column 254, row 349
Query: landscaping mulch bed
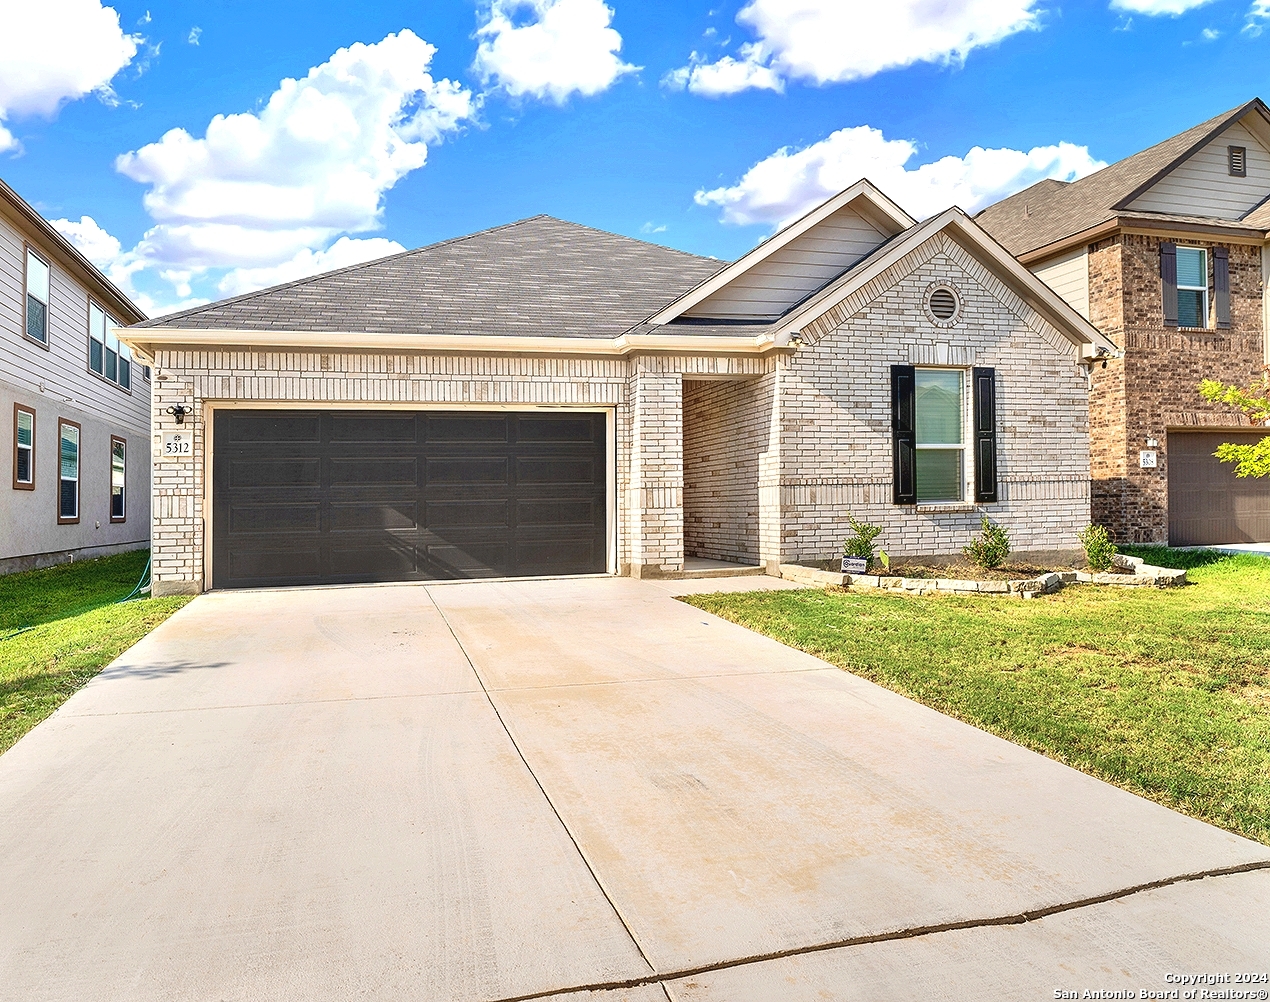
column 963, row 570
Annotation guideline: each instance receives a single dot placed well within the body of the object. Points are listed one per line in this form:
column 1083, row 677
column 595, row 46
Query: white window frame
column 1202, row 289
column 29, row 294
column 967, row 474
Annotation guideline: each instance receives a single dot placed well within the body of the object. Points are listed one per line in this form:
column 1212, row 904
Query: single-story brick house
column 545, row 398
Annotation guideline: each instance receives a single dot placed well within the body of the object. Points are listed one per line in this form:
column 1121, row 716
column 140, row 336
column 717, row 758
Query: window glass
column 96, row 339
column 118, row 471
column 1192, row 287
column 939, row 404
column 25, row 447
column 125, row 367
column 68, row 496
column 37, row 298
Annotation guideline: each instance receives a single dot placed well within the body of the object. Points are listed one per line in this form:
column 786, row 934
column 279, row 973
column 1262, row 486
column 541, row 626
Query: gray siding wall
column 56, row 382
column 1202, row 186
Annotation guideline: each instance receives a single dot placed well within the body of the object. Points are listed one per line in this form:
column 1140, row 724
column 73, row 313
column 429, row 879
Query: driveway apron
column 574, row 788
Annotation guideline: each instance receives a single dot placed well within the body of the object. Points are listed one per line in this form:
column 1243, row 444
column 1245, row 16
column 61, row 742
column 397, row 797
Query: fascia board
column 147, row 339
column 861, row 189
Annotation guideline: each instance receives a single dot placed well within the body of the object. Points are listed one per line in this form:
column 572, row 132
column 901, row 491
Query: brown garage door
column 1208, row 504
column 315, row 497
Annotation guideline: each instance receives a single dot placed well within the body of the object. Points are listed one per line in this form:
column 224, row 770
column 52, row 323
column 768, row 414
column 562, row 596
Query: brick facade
column 1154, row 387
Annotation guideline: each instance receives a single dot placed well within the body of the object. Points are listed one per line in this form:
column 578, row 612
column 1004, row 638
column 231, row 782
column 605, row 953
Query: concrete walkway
column 573, row 789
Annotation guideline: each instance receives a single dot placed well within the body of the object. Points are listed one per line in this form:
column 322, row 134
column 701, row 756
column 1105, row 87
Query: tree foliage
column 1249, row 460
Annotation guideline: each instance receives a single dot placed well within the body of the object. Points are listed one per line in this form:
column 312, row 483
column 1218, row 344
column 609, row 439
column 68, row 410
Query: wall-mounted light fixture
column 178, row 411
column 796, row 339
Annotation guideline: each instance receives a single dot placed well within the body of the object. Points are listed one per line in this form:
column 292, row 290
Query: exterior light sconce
column 796, row 339
column 178, row 411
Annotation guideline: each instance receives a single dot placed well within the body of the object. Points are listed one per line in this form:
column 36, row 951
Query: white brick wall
column 836, row 422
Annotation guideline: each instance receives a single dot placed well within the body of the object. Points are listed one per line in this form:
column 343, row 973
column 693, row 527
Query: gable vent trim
column 1237, row 161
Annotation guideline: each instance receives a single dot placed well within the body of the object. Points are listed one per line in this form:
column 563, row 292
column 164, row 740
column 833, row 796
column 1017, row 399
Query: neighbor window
column 1192, row 287
column 23, row 448
column 106, row 356
column 37, row 298
column 68, row 472
column 940, row 444
column 118, row 474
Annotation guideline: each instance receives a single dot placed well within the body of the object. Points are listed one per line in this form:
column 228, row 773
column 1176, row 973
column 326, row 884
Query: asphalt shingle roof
column 536, row 277
column 1050, row 210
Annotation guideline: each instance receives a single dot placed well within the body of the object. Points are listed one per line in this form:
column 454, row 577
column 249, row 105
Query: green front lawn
column 60, row 626
column 1163, row 692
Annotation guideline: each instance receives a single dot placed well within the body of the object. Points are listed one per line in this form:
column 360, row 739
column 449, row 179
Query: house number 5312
column 178, row 444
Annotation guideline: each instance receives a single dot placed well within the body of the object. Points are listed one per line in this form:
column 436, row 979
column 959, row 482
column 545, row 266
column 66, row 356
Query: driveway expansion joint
column 912, row 932
column 550, row 803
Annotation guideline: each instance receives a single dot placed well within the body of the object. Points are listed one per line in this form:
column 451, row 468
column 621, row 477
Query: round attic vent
column 943, row 303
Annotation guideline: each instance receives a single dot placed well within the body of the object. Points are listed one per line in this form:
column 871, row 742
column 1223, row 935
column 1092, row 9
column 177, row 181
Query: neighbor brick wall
column 836, row 420
column 1154, row 387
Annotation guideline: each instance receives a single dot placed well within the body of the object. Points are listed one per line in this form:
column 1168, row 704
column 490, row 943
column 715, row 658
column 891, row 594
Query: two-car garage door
column 310, row 497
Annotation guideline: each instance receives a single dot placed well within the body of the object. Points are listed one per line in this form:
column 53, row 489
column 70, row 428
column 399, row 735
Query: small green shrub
column 1100, row 551
column 990, row 550
column 860, row 544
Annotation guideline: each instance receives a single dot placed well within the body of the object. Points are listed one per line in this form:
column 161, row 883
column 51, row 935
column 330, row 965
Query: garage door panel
column 367, row 496
column 372, row 428
column 255, row 474
column 369, row 471
column 461, row 428
column 385, row 558
column 1208, row 504
column 467, row 471
column 360, row 516
column 272, row 426
column 279, row 517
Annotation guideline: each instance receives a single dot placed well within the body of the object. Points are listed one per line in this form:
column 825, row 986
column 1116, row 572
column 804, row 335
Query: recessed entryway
column 336, row 496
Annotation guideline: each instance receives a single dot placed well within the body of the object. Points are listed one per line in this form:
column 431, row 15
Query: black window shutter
column 904, row 433
column 985, row 384
column 1168, row 282
column 1221, row 285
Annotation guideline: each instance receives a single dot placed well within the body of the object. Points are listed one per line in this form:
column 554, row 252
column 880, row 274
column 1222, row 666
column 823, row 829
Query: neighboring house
column 74, row 409
column 545, row 398
column 1166, row 253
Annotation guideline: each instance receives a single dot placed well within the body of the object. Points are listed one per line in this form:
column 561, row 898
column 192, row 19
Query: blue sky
column 701, row 126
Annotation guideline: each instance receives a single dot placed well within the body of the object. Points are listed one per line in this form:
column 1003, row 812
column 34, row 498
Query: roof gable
column 796, row 261
column 868, row 279
column 1047, row 212
column 1201, row 183
column 536, row 277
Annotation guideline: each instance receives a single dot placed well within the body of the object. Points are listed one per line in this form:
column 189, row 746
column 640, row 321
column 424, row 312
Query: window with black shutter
column 903, row 434
column 1221, row 285
column 1168, row 282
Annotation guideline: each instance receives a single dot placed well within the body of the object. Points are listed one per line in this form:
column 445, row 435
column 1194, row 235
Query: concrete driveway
column 580, row 789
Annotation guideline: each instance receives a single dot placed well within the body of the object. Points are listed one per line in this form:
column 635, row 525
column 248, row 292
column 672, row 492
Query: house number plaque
column 178, row 445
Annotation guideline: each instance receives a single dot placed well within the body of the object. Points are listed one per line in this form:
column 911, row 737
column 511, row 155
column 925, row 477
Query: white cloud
column 344, row 252
column 195, row 34
column 651, row 227
column 786, row 184
column 833, row 41
column 270, row 196
column 1155, row 8
column 1210, row 35
column 549, row 49
column 56, row 51
column 1256, row 20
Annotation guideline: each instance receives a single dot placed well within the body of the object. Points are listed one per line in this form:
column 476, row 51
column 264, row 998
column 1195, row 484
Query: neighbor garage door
column 310, row 497
column 1208, row 504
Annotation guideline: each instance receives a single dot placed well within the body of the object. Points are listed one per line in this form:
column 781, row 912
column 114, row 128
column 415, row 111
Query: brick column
column 176, row 516
column 657, row 473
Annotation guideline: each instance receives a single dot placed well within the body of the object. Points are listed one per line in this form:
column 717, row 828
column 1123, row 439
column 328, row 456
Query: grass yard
column 1163, row 692
column 76, row 628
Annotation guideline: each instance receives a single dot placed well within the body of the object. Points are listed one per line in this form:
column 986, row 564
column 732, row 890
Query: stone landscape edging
column 1144, row 576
